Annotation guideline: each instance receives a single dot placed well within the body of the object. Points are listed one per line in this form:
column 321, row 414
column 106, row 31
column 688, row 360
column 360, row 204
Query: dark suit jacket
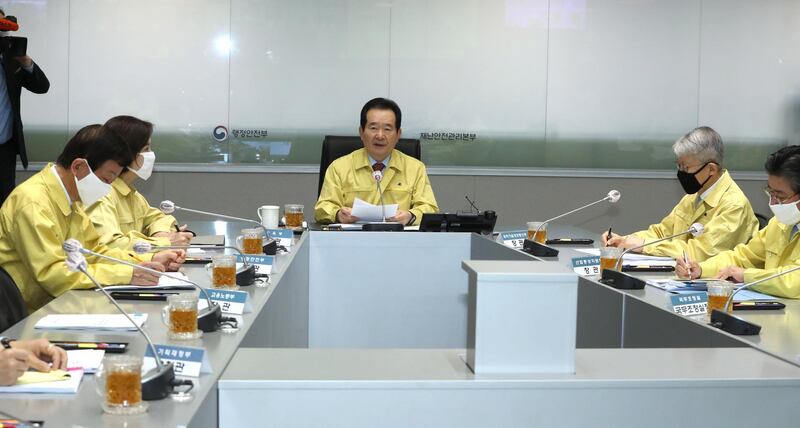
column 16, row 79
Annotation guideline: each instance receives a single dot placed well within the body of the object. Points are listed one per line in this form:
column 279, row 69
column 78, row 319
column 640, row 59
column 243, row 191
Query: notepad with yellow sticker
column 53, row 382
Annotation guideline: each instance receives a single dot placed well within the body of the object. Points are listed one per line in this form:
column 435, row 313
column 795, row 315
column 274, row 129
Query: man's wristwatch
column 6, row 342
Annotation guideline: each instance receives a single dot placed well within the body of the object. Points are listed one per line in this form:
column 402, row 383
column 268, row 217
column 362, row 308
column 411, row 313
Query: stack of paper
column 165, row 281
column 98, row 322
column 634, row 258
column 146, row 288
column 678, row 286
column 87, row 360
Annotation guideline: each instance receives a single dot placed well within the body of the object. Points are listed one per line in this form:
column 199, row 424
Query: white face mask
column 787, row 214
column 91, row 189
column 144, row 172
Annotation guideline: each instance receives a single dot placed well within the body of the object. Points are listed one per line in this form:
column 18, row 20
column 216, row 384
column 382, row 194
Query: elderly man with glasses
column 712, row 198
column 773, row 249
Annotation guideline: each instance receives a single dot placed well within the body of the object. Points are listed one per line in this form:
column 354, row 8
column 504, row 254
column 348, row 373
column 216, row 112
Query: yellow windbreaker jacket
column 726, row 214
column 405, row 182
column 35, row 221
column 769, row 251
column 124, row 217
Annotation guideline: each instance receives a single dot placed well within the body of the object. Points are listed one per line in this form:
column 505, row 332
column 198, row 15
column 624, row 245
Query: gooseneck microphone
column 620, row 280
column 161, row 381
column 378, row 176
column 541, row 250
column 169, row 207
column 208, row 320
column 472, row 204
column 613, row 196
column 245, row 277
column 733, row 324
column 383, row 225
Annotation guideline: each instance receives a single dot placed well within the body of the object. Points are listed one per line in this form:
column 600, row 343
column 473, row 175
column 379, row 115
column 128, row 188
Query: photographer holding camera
column 19, row 71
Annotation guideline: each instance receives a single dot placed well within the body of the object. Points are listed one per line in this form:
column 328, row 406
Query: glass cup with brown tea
column 180, row 316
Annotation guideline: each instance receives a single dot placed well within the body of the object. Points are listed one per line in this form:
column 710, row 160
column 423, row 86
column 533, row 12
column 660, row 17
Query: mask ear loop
column 700, row 169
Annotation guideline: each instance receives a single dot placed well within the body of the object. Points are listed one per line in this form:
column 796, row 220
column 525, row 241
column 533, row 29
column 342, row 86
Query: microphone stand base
column 157, row 383
column 270, row 248
column 246, row 277
column 382, row 227
column 538, row 250
column 733, row 324
column 209, row 320
column 621, row 281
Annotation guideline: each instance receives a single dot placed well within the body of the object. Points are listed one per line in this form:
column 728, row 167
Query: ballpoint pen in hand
column 608, row 236
column 688, row 264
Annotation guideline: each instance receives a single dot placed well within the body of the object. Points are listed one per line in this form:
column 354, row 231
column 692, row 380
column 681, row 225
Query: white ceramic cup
column 269, row 214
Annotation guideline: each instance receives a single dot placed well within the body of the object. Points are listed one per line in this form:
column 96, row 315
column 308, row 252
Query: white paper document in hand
column 367, row 212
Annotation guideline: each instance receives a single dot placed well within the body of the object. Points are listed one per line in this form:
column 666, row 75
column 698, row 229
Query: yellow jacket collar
column 362, row 159
column 55, row 189
column 720, row 188
column 783, row 227
column 121, row 186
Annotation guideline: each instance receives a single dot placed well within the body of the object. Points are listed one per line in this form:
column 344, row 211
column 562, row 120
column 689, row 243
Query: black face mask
column 689, row 181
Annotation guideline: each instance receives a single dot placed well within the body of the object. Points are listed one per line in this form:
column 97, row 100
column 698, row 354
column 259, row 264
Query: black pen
column 178, row 229
column 608, row 235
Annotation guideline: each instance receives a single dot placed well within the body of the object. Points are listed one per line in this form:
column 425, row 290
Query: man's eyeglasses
column 773, row 197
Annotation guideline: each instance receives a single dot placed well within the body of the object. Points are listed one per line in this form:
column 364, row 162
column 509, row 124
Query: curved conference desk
column 361, row 328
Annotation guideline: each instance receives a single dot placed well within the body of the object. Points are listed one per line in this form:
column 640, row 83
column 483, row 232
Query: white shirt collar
column 58, row 177
column 385, row 161
column 705, row 194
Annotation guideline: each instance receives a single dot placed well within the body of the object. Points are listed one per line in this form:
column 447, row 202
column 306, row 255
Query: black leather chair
column 334, row 147
column 12, row 307
column 762, row 220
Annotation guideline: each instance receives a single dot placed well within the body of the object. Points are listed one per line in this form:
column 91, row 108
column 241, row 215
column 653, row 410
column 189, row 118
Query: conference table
column 345, row 313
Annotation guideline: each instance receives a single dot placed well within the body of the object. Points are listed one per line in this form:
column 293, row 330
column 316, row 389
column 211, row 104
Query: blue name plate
column 187, row 361
column 230, row 301
column 283, row 236
column 255, row 259
column 690, row 303
column 586, row 265
column 513, row 238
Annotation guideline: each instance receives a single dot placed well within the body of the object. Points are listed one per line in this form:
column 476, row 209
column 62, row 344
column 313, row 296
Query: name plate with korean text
column 586, row 265
column 687, row 304
column 285, row 237
column 263, row 264
column 513, row 238
column 230, row 301
column 187, row 361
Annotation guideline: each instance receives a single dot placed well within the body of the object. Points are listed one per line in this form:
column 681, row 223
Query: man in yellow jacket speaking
column 405, row 180
column 773, row 249
column 712, row 199
column 48, row 208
